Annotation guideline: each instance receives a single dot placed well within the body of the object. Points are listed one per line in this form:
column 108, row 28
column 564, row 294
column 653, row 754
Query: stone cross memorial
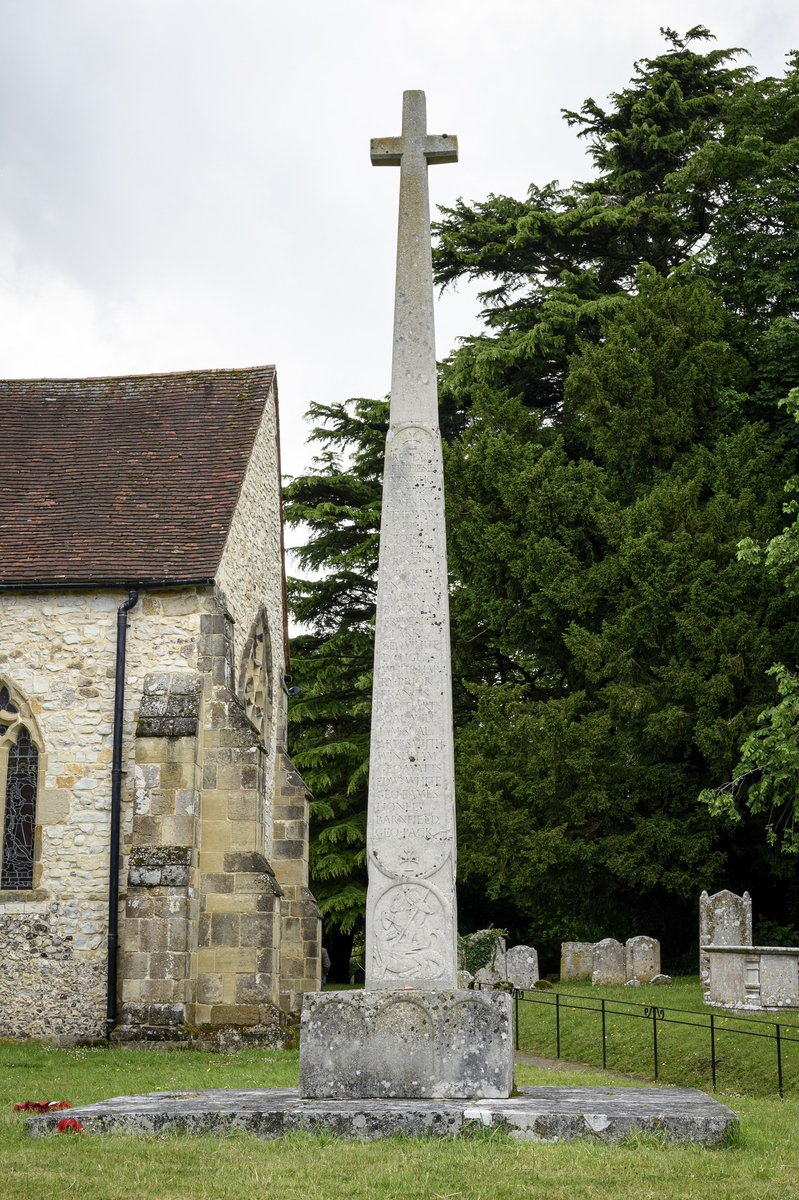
column 411, row 1032
column 411, row 926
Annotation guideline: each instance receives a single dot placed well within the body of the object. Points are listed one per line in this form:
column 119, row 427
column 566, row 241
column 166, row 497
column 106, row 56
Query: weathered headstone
column 486, row 946
column 576, row 961
column 411, row 1032
column 521, row 966
column 486, row 977
column 724, row 920
column 486, row 949
column 642, row 958
column 609, row 968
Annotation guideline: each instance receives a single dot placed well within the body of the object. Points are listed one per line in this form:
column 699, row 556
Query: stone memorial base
column 761, row 978
column 406, row 1044
column 540, row 1114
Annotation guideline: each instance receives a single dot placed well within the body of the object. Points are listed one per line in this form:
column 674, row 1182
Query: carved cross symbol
column 414, row 394
column 416, row 143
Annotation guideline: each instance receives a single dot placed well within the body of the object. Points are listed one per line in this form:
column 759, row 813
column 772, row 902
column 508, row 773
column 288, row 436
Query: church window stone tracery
column 19, row 766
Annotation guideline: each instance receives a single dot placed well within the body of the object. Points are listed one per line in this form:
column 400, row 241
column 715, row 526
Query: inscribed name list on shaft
column 411, row 923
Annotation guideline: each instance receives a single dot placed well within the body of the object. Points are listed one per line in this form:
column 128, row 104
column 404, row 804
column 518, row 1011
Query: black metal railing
column 779, row 1033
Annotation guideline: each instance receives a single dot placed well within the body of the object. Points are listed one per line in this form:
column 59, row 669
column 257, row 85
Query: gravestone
column 609, row 966
column 724, row 920
column 642, row 958
column 486, row 977
column 494, row 969
column 576, row 961
column 754, row 977
column 521, row 966
column 411, row 1032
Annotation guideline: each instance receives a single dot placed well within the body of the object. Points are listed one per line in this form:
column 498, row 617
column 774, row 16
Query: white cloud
column 186, row 183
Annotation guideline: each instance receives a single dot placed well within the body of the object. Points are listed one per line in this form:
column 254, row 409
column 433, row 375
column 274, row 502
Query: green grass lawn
column 744, row 1064
column 763, row 1164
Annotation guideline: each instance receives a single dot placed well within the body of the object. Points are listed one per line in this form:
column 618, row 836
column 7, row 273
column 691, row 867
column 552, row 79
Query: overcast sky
column 186, row 183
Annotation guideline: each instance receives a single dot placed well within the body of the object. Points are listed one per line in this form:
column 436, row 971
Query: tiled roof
column 126, row 480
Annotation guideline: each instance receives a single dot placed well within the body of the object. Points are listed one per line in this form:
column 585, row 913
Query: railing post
column 659, row 1014
column 516, row 1014
column 604, row 1042
column 779, row 1061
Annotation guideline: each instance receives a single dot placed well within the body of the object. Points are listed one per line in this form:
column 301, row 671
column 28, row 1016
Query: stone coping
column 787, row 950
column 545, row 1114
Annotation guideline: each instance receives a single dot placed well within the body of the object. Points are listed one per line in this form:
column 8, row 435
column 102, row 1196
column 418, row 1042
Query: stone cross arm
column 438, row 148
column 415, row 140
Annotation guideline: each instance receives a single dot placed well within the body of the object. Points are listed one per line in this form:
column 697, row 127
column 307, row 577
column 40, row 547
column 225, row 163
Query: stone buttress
column 219, row 942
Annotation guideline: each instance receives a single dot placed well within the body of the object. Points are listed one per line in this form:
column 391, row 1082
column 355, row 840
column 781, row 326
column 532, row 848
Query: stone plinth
column 540, row 1114
column 406, row 1044
column 642, row 958
column 609, row 965
column 754, row 977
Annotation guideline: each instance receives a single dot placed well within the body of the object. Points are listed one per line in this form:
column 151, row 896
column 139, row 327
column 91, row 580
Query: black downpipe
column 116, row 804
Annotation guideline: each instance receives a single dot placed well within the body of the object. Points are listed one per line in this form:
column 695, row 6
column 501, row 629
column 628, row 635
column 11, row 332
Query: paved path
column 560, row 1064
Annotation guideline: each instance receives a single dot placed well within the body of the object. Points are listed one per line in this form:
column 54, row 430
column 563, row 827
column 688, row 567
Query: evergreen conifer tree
column 610, row 440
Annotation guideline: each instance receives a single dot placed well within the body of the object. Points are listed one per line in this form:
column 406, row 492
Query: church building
column 154, row 855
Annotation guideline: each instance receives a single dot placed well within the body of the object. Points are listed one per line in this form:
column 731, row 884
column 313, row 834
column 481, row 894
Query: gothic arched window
column 20, row 760
column 256, row 679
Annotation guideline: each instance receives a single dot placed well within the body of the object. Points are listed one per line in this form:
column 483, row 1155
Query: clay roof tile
column 132, row 479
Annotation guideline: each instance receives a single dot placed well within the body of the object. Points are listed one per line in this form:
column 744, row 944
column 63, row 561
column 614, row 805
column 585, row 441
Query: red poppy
column 69, row 1125
column 42, row 1106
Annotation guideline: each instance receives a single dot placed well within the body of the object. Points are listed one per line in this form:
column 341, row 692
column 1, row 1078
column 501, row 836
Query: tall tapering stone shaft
column 411, row 922
column 411, row 1032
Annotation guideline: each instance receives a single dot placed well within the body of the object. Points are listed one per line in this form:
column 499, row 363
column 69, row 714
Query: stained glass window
column 7, row 709
column 19, row 824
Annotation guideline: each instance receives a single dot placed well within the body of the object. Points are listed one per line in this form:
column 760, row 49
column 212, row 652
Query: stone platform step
column 535, row 1114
